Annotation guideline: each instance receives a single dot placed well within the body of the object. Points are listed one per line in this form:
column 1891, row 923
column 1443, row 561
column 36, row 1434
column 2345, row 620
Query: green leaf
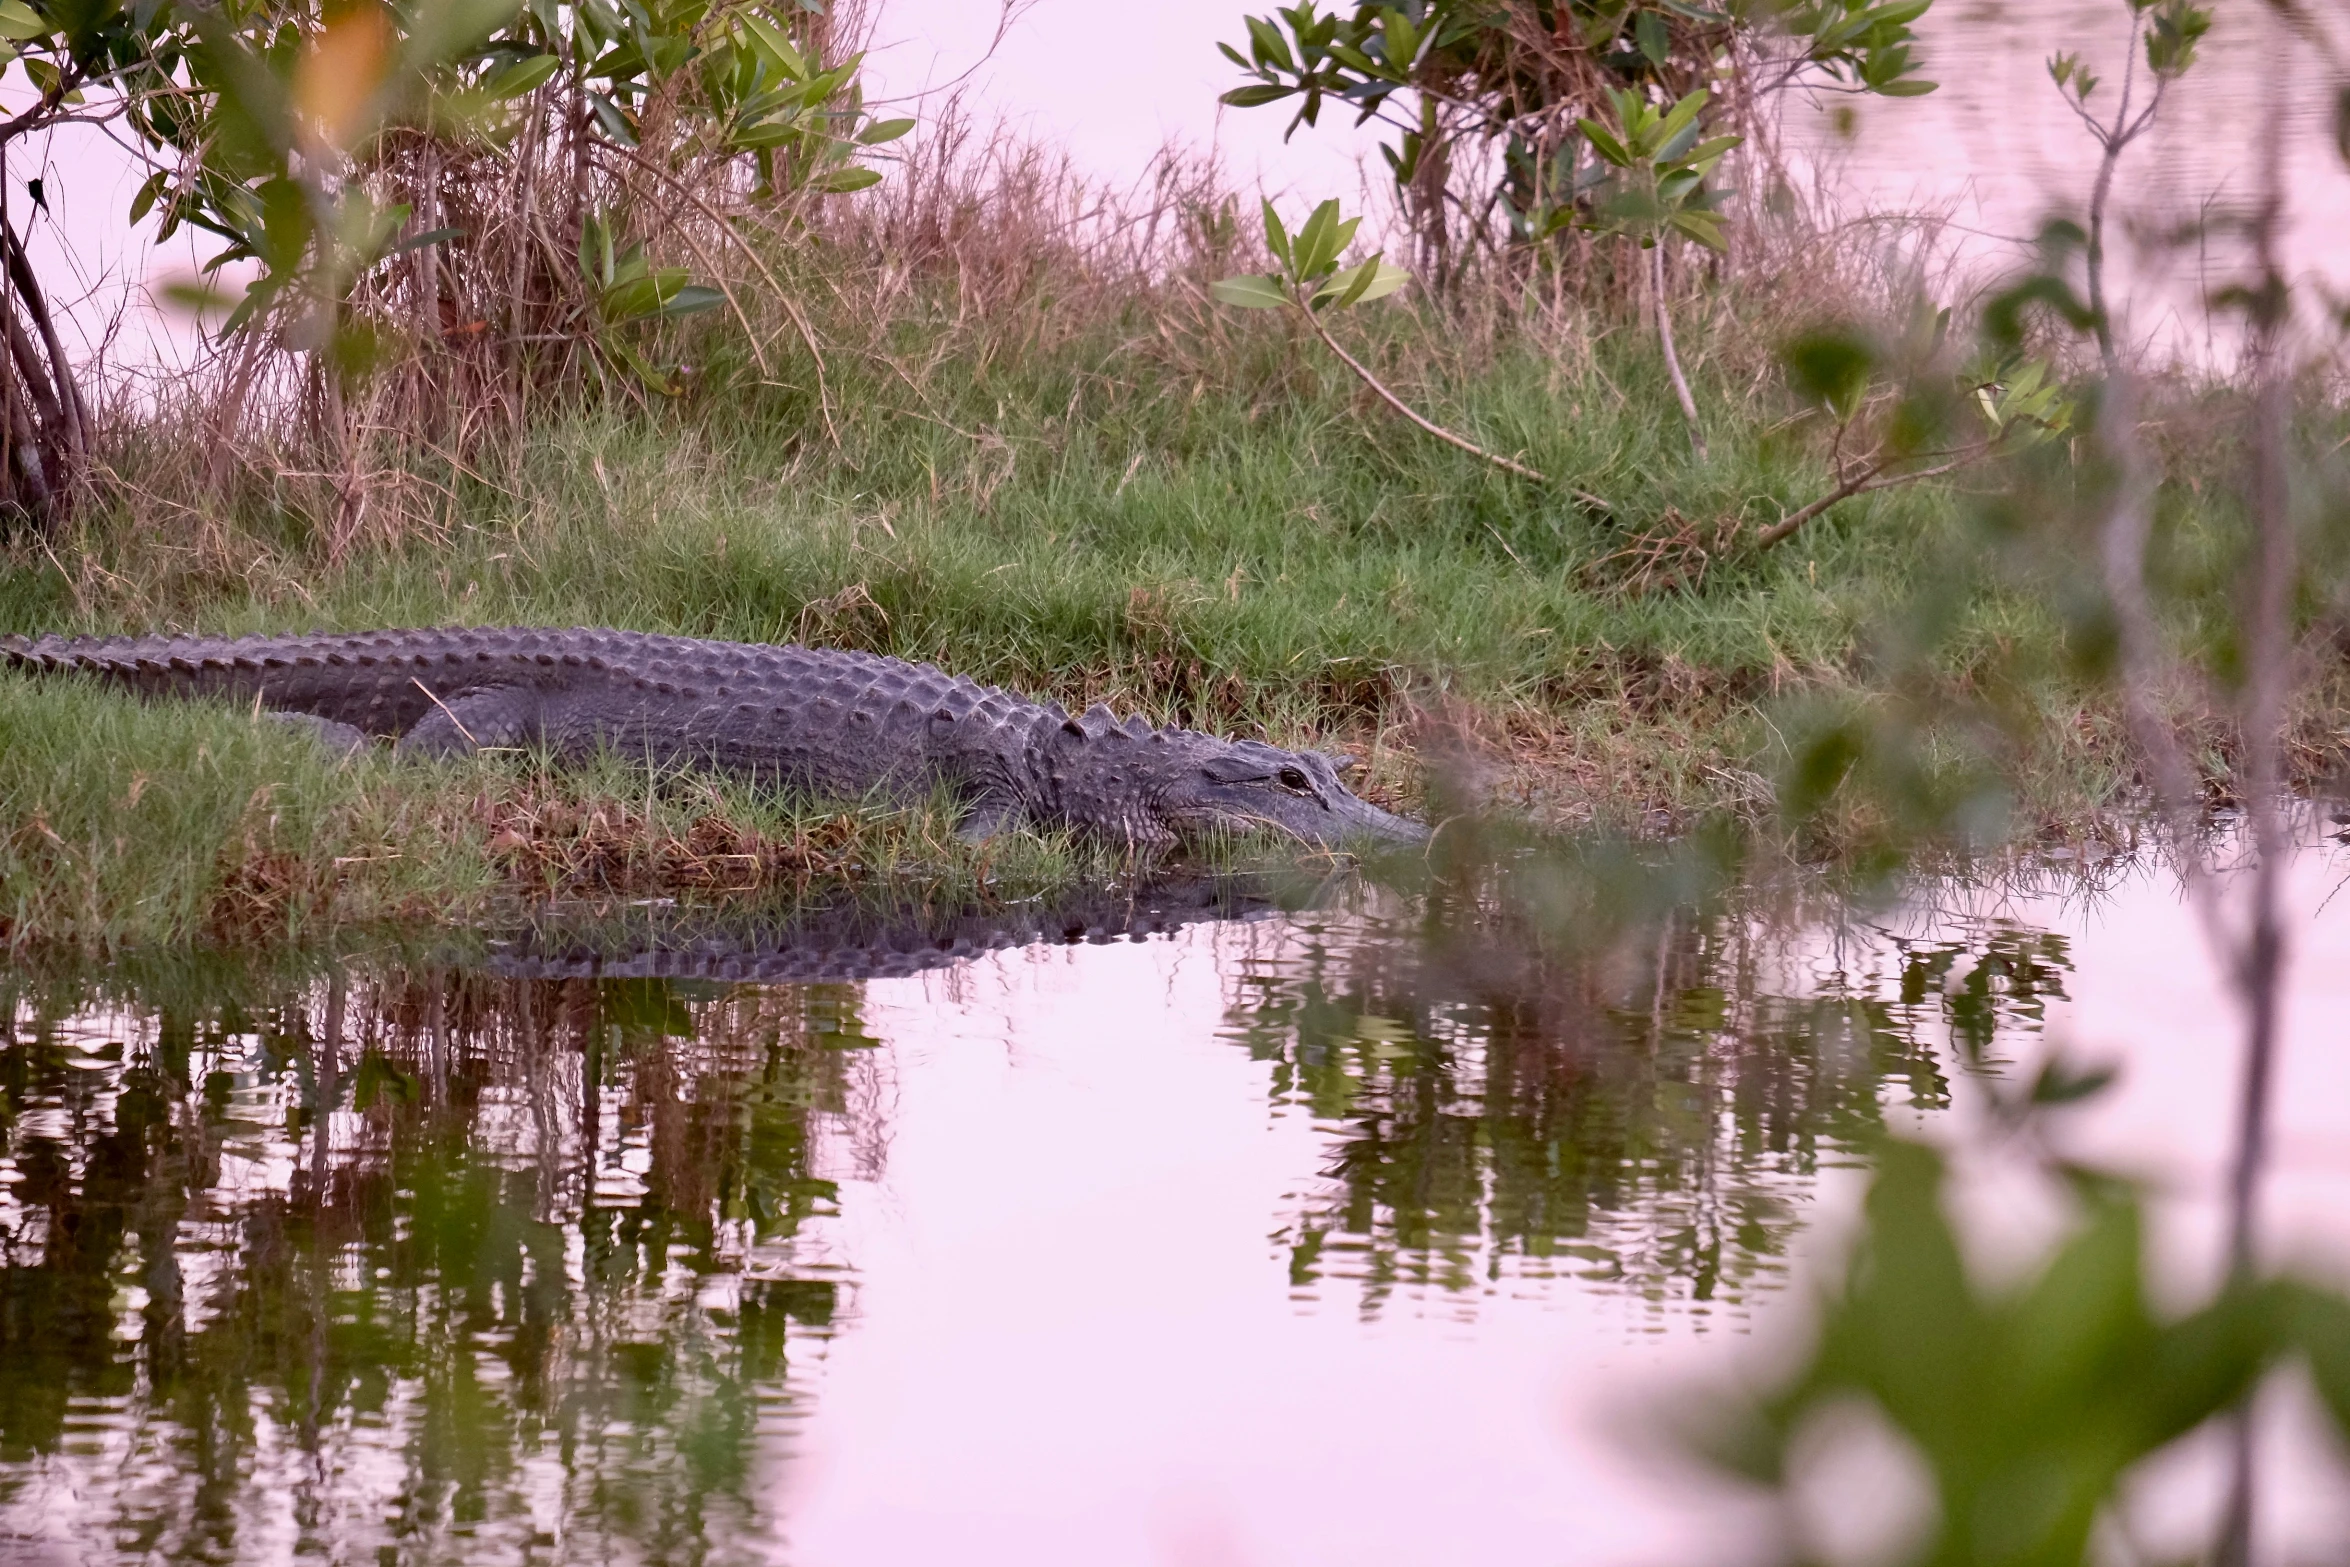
column 1706, row 153
column 1907, row 87
column 1317, row 243
column 659, row 380
column 1267, row 44
column 1253, row 291
column 1402, row 39
column 1385, row 279
column 1703, row 227
column 773, row 42
column 595, row 249
column 1654, row 38
column 1832, row 365
column 2060, row 1083
column 1372, row 279
column 259, row 294
column 144, row 200
column 1682, row 116
column 19, row 21
column 774, row 133
column 2325, row 1338
column 1252, row 97
column 1276, row 238
column 1338, row 293
column 1340, row 236
column 522, row 76
column 692, row 299
column 197, row 298
column 840, row 182
column 881, row 131
column 612, row 118
column 632, row 298
column 1603, row 141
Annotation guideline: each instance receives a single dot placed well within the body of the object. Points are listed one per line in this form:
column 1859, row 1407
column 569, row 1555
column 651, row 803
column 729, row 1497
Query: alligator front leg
column 342, row 739
column 988, row 818
column 490, row 718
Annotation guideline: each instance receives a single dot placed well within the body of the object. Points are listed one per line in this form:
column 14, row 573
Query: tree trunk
column 1664, row 333
column 44, row 423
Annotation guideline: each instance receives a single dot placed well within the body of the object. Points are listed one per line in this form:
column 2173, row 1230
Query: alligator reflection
column 411, row 1262
column 1647, row 1117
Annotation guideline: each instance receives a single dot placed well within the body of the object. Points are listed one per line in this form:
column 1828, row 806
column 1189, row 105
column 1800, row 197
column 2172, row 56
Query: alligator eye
column 1294, row 779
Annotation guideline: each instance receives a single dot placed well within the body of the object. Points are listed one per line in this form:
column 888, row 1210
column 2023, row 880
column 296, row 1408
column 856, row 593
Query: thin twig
column 2127, row 531
column 445, row 713
column 2259, row 965
column 1664, row 332
column 1867, row 482
column 1362, row 372
column 783, row 297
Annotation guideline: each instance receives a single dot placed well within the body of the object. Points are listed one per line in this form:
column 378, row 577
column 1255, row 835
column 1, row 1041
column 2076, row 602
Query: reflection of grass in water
column 1646, row 1112
column 493, row 1270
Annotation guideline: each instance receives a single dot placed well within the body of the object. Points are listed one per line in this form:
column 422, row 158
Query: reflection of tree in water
column 1648, row 1114
column 453, row 1267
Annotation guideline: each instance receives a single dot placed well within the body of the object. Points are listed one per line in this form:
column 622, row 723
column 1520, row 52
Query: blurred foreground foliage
column 2027, row 1404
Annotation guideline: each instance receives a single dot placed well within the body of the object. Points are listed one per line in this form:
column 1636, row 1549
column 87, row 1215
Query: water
column 1362, row 1228
column 1995, row 152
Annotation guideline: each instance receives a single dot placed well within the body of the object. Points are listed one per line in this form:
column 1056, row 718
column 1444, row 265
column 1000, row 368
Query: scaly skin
column 852, row 943
column 819, row 721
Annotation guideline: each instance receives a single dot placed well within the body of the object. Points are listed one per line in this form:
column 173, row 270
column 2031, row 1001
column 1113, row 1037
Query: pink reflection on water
column 1108, row 1366
column 1076, row 1339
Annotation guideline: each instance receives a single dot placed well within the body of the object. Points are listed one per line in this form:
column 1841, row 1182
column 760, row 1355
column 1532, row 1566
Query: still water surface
column 1967, row 174
column 1372, row 1230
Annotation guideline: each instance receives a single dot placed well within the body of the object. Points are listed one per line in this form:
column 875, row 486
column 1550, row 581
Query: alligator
column 824, row 722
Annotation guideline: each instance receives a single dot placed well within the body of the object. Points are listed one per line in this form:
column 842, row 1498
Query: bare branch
column 1664, row 332
column 1363, row 373
column 1867, row 482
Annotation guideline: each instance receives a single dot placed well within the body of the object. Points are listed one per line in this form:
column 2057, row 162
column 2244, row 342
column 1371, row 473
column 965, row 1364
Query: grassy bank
column 1137, row 499
column 130, row 822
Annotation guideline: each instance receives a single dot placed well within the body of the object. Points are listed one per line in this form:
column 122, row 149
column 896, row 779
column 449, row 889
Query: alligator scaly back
column 822, row 721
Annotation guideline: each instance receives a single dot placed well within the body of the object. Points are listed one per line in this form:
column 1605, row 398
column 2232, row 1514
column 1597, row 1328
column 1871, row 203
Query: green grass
column 132, row 823
column 1207, row 523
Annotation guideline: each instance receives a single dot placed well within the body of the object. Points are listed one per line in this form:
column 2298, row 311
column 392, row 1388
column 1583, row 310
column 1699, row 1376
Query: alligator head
column 1248, row 786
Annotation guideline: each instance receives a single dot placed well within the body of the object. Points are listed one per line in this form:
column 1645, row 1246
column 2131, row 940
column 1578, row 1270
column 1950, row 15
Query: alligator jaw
column 1349, row 823
column 1367, row 823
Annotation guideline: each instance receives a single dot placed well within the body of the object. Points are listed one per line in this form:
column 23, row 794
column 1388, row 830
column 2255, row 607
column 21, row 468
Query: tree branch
column 1664, row 332
column 1866, row 482
column 1362, row 373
